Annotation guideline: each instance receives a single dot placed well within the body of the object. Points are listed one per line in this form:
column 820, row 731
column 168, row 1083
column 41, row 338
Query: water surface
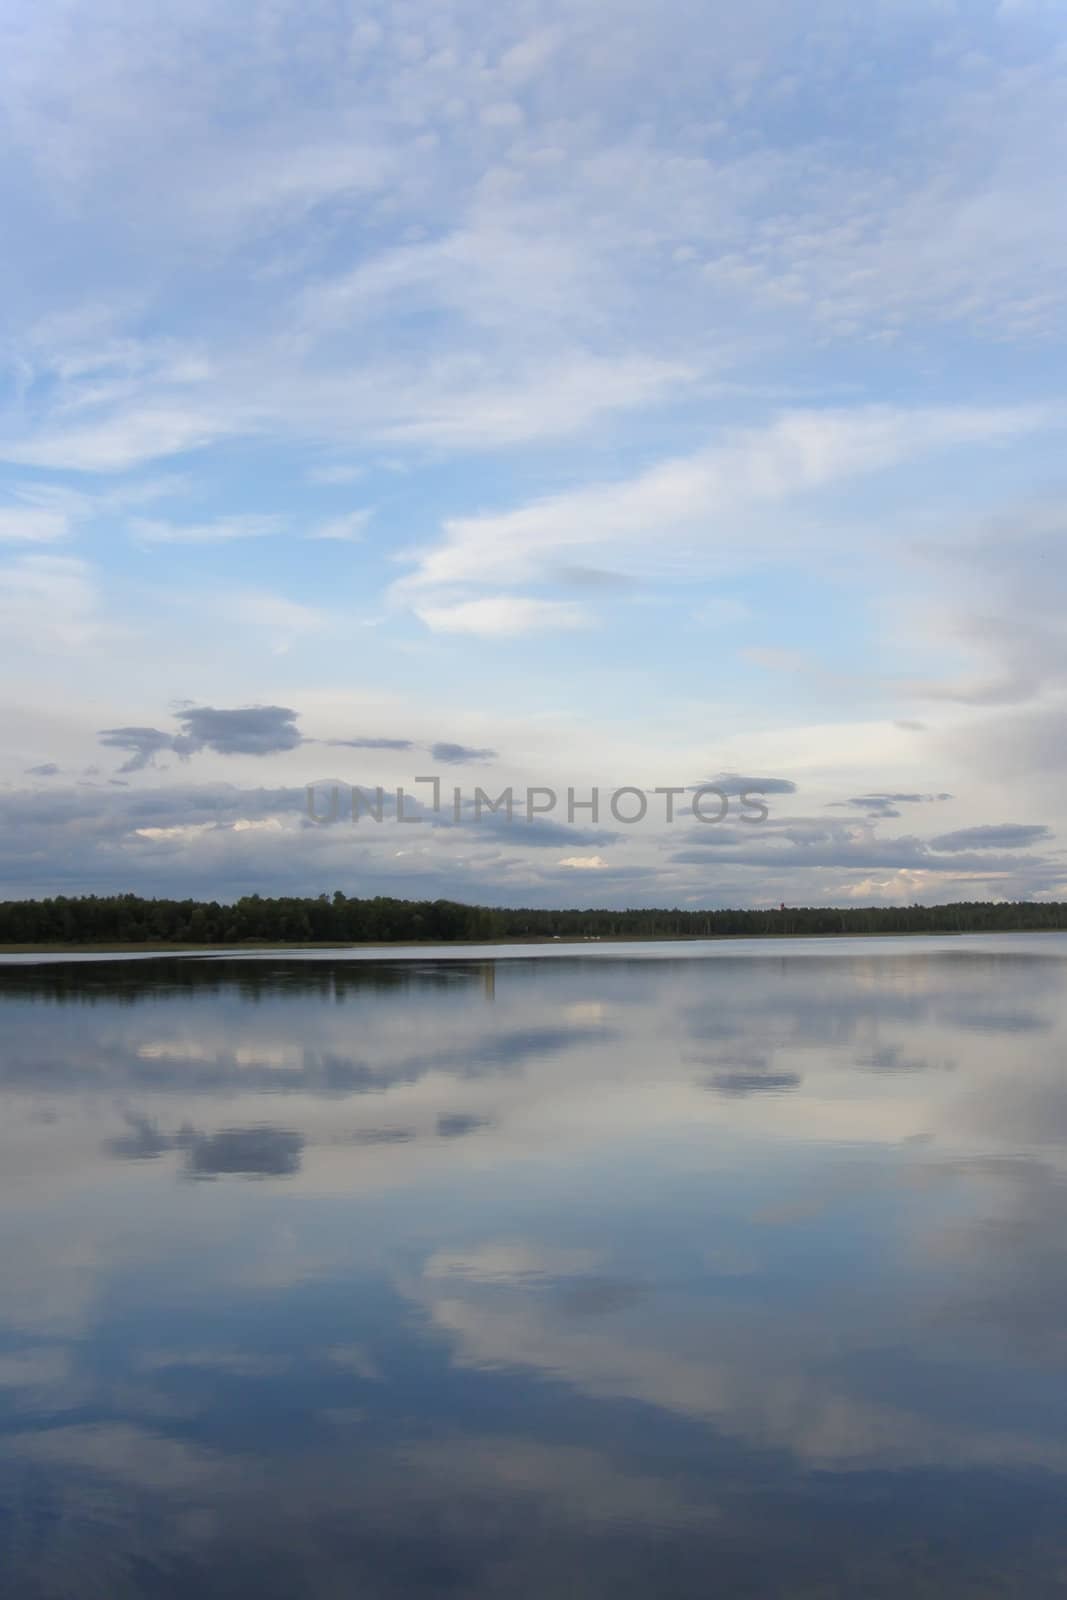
column 737, row 1271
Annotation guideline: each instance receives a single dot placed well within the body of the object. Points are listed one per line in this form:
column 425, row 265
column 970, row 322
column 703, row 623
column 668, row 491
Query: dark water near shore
column 597, row 1276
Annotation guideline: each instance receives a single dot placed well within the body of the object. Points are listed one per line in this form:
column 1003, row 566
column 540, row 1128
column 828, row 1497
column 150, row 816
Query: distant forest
column 339, row 919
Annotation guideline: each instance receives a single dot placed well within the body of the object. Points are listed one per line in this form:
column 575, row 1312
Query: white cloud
column 340, row 473
column 773, row 659
column 48, row 600
column 799, row 453
column 460, row 408
column 285, row 620
column 346, row 529
column 583, row 863
column 504, row 615
column 31, row 525
column 448, row 236
column 180, row 833
column 723, row 611
column 220, row 531
column 502, row 114
column 509, row 1261
column 117, row 441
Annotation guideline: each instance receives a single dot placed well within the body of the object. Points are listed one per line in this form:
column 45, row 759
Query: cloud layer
column 595, row 396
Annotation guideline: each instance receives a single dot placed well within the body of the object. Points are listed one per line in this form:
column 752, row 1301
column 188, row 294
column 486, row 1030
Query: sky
column 551, row 396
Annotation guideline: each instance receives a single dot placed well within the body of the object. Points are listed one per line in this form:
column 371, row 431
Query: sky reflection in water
column 595, row 1276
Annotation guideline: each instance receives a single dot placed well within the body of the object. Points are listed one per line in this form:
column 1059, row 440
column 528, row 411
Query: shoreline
column 250, row 946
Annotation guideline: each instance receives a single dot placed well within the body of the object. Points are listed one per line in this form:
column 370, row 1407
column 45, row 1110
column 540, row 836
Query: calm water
column 592, row 1276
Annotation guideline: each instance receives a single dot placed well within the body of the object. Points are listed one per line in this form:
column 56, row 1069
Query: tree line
column 343, row 919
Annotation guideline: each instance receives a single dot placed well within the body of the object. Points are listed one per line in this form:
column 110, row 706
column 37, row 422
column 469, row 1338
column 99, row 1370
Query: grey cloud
column 447, row 753
column 257, row 730
column 245, row 731
column 47, row 769
column 1010, row 1281
column 540, row 832
column 890, row 1058
column 886, row 805
column 454, row 1124
column 455, row 754
column 333, row 800
column 743, row 1082
column 1010, row 579
column 144, row 1142
column 90, row 1060
column 608, row 880
column 798, row 830
column 738, row 1074
column 597, row 1297
column 223, row 802
column 578, row 577
column 537, row 833
column 826, row 841
column 369, row 744
column 802, row 832
column 1021, row 744
column 254, row 731
column 246, row 1152
column 835, row 846
column 1010, row 690
column 70, row 840
column 996, row 836
column 143, row 743
column 732, row 783
column 717, row 835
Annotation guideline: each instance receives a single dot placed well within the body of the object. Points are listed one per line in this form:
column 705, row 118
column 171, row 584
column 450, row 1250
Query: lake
column 677, row 1270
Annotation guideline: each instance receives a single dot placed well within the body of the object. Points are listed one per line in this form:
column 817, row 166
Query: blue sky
column 624, row 395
